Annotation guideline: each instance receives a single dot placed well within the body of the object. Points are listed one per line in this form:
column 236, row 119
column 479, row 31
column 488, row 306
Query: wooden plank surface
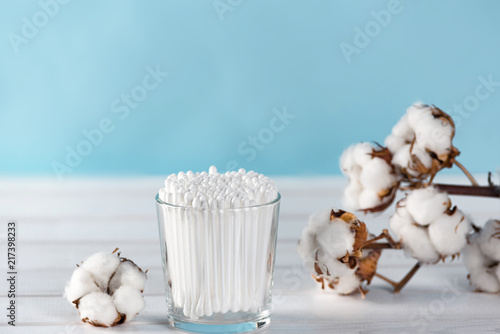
column 60, row 223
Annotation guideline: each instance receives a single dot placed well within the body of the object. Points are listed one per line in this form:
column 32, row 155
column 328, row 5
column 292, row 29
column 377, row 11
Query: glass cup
column 218, row 266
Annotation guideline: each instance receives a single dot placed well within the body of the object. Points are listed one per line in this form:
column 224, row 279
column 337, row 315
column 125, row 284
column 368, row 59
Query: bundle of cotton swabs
column 218, row 234
column 215, row 190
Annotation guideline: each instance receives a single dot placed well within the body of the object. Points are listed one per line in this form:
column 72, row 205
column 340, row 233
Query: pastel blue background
column 227, row 75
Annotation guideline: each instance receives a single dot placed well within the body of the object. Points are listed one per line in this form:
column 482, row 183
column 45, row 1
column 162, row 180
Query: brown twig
column 391, row 243
column 398, row 286
column 466, row 172
column 388, row 280
column 483, row 191
column 371, row 241
column 378, row 245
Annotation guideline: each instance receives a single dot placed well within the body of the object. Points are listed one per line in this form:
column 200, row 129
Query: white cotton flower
column 369, row 200
column 412, row 161
column 372, row 180
column 331, row 242
column 490, row 239
column 352, row 193
column 346, row 285
column 102, row 266
column 308, row 246
column 127, row 273
column 485, row 279
column 448, row 233
column 329, row 266
column 433, row 131
column 106, row 289
column 426, row 226
column 394, row 144
column 426, row 204
column 80, row 284
column 421, row 142
column 354, row 157
column 415, row 240
column 400, row 218
column 472, row 257
column 402, row 133
column 376, row 175
column 97, row 308
column 128, row 301
column 481, row 260
column 335, row 239
column 361, row 153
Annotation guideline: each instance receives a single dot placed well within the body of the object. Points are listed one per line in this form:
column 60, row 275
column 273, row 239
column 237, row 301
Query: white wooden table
column 60, row 223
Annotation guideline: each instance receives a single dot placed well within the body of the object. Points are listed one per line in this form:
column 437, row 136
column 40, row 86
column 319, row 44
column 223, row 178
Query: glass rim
column 271, row 203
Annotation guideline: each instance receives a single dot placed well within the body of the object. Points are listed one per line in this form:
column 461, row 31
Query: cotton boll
column 347, row 161
column 307, row 248
column 377, row 174
column 80, row 284
column 402, row 159
column 308, row 244
column 485, row 280
column 127, row 274
column 472, row 256
column 403, row 129
column 414, row 160
column 400, row 219
column 435, row 139
column 416, row 241
column 372, row 179
column 426, row 204
column 128, row 301
column 362, row 153
column 331, row 267
column 351, row 195
column 449, row 233
column 421, row 156
column 97, row 308
column 336, row 239
column 348, row 164
column 369, row 199
column 355, row 174
column 346, row 285
column 326, row 239
column 421, row 143
column 318, row 220
column 434, row 134
column 402, row 134
column 94, row 302
column 395, row 143
column 102, row 266
column 416, row 113
column 490, row 239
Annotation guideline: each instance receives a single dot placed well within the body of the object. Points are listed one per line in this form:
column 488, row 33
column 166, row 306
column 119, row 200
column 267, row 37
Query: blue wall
column 233, row 65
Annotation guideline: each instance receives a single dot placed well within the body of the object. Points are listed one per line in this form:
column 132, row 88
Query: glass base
column 194, row 327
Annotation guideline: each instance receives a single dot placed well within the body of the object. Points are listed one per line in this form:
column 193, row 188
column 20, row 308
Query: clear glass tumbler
column 218, row 266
